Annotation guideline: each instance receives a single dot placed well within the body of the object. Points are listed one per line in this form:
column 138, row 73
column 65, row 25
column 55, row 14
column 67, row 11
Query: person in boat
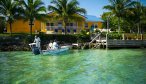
column 37, row 41
column 50, row 46
column 55, row 45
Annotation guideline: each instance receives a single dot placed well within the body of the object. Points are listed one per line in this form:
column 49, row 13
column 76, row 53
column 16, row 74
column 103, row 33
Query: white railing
column 61, row 30
column 60, row 27
column 95, row 38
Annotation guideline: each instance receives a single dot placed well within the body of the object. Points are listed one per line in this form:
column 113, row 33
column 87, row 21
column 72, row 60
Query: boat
column 37, row 51
column 55, row 51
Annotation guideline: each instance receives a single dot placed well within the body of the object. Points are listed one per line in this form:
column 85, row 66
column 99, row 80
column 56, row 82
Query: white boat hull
column 56, row 51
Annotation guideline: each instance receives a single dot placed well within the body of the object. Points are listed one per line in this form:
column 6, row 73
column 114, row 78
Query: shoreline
column 20, row 42
column 113, row 48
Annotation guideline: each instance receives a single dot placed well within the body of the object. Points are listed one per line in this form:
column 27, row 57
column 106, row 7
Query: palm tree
column 139, row 12
column 8, row 8
column 2, row 24
column 33, row 10
column 66, row 10
column 136, row 15
column 118, row 7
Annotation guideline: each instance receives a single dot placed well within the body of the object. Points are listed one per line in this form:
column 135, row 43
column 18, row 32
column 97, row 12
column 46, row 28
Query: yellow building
column 92, row 22
column 56, row 26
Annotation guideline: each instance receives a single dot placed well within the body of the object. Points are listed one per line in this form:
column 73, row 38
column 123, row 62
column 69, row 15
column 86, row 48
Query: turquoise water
column 123, row 66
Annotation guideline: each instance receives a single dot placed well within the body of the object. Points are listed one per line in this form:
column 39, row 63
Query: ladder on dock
column 95, row 38
column 100, row 42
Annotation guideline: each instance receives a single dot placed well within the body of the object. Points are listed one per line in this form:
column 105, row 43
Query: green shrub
column 59, row 37
column 114, row 36
column 21, row 41
column 83, row 37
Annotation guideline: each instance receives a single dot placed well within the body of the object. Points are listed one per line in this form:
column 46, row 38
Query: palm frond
column 109, row 7
column 66, row 10
column 76, row 17
column 81, row 10
column 54, row 9
column 131, row 4
column 38, row 4
column 41, row 9
column 73, row 3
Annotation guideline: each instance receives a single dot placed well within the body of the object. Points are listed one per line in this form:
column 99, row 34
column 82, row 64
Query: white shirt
column 37, row 41
column 55, row 45
column 50, row 45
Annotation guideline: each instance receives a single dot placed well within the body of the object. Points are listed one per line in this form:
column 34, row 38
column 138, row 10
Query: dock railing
column 129, row 36
column 126, row 43
column 94, row 38
column 128, row 40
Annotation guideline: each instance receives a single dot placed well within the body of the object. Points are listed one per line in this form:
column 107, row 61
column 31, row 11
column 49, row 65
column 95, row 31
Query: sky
column 93, row 7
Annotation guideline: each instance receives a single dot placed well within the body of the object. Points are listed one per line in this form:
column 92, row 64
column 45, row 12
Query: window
column 67, row 24
column 62, row 30
column 96, row 26
column 92, row 26
column 86, row 25
column 75, row 30
column 56, row 30
column 52, row 24
column 68, row 30
column 59, row 25
column 47, row 24
column 71, row 24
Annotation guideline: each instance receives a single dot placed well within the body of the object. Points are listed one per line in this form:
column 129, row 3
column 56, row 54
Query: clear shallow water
column 123, row 66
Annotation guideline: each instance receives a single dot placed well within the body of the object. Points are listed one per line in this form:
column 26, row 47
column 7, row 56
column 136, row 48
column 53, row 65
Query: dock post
column 106, row 41
column 141, row 35
column 123, row 36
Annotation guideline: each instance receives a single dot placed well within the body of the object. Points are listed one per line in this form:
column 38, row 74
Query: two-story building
column 54, row 26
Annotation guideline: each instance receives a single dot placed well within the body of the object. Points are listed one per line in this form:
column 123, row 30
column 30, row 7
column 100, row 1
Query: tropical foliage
column 66, row 10
column 119, row 8
column 126, row 15
column 9, row 9
column 136, row 16
column 32, row 10
column 113, row 23
column 2, row 24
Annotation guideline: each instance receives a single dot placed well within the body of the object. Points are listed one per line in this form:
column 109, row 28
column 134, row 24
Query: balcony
column 61, row 30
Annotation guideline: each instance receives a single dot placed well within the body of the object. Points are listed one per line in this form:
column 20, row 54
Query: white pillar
column 106, row 41
column 123, row 36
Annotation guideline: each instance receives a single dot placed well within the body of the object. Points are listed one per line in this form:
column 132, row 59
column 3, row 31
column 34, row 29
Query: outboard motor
column 35, row 50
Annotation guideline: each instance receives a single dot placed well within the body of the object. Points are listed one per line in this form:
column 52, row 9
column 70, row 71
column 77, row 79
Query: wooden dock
column 125, row 43
column 117, row 43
